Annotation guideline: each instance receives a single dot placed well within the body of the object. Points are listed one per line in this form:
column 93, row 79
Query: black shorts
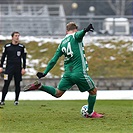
column 13, row 72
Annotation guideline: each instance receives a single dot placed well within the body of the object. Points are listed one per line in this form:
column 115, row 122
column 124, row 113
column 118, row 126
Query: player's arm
column 24, row 57
column 51, row 63
column 24, row 54
column 80, row 34
column 3, row 57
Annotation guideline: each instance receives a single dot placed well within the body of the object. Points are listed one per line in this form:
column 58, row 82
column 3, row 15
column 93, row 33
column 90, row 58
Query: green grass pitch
column 63, row 116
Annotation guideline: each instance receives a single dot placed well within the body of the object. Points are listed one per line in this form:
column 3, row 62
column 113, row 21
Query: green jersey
column 75, row 63
column 73, row 50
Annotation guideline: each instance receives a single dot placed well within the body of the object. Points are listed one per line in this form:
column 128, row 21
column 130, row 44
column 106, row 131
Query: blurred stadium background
column 47, row 19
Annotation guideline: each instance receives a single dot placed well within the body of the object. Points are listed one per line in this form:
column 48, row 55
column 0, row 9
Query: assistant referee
column 14, row 54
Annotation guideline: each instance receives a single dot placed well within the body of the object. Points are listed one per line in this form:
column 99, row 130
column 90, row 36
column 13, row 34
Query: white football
column 84, row 111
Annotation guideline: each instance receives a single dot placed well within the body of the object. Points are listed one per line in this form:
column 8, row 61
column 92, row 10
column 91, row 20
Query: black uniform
column 15, row 57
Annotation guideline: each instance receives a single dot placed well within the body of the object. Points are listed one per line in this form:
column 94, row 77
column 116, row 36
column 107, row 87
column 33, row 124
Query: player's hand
column 89, row 28
column 1, row 69
column 23, row 71
column 40, row 75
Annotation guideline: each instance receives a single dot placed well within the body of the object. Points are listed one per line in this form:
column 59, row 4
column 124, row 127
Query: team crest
column 18, row 53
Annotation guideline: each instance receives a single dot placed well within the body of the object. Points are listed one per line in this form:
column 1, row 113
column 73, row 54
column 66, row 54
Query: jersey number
column 68, row 50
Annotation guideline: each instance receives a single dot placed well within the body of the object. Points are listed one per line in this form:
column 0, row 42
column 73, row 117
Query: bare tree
column 118, row 6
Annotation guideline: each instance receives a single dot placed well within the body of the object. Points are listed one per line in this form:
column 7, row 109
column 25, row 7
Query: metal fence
column 42, row 20
column 32, row 20
column 55, row 26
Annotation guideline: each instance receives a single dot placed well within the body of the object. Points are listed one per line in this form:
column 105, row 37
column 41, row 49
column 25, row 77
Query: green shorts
column 83, row 82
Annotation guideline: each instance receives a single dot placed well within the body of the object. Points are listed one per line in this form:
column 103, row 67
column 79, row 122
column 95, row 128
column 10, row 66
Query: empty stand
column 32, row 20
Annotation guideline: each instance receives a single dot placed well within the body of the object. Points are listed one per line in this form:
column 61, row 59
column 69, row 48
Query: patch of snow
column 112, row 58
column 43, row 50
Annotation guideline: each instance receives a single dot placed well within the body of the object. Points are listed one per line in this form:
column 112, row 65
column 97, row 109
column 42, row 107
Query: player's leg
column 92, row 100
column 7, row 80
column 17, row 80
column 63, row 85
column 52, row 90
column 37, row 85
column 85, row 83
column 17, row 91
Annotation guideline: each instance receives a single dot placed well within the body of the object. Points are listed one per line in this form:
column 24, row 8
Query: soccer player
column 13, row 54
column 75, row 66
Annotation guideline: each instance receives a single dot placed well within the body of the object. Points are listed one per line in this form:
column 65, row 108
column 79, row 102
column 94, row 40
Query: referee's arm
column 3, row 57
column 24, row 57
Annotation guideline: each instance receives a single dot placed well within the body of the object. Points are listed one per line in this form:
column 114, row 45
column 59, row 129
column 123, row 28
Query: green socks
column 91, row 103
column 49, row 89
